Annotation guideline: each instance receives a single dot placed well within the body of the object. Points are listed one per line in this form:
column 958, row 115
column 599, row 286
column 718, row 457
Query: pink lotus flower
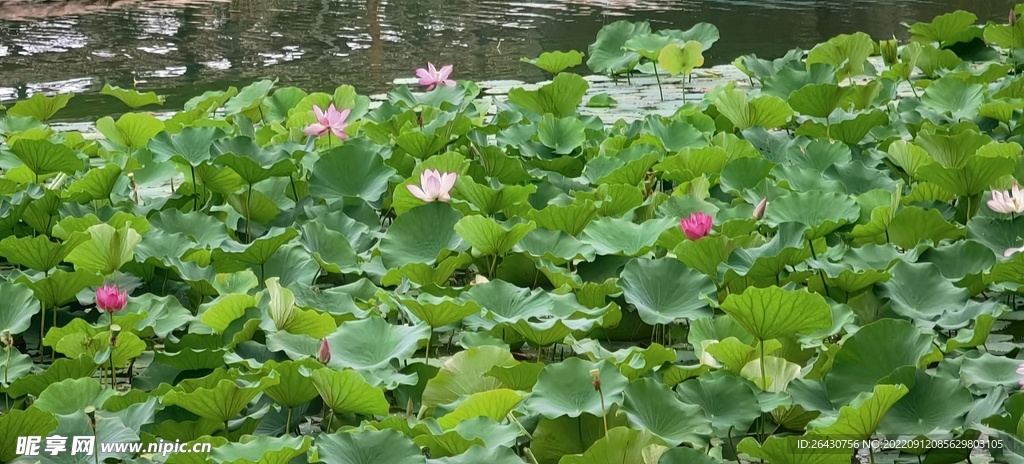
column 431, row 76
column 110, row 299
column 1009, row 201
column 332, row 121
column 324, row 355
column 434, row 186
column 698, row 225
column 1020, row 372
column 759, row 209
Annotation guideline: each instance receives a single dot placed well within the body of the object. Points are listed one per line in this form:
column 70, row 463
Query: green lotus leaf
column 188, row 359
column 39, row 106
column 493, row 404
column 954, row 97
column 286, row 100
column 986, row 372
column 976, row 175
column 563, row 135
column 611, row 236
column 871, row 354
column 349, row 172
column 601, row 100
column 566, row 389
column 945, row 29
column 478, row 454
column 919, row 292
column 108, row 430
column 131, row 97
column 823, row 212
column 20, row 423
column 555, row 246
column 861, row 417
column 16, row 367
column 1006, row 36
column 953, row 150
column 220, row 313
column 488, row 201
column 913, row 224
column 464, row 374
column 767, row 111
column 98, row 184
column 621, row 446
column 249, row 98
column 789, row 450
column 504, row 302
column 820, row 100
column 17, row 307
column 61, row 369
column 664, row 290
column 554, row 438
column 425, row 274
column 845, row 127
column 347, row 392
column 131, row 131
column 769, row 313
column 735, row 354
column 421, row 236
column 330, row 249
column 652, row 406
column 560, row 98
column 71, row 395
column 446, row 444
column 372, row 343
column 129, row 346
column 367, row 447
column 192, row 146
column 251, row 162
column 913, row 413
column 783, row 76
column 908, row 156
column 845, row 52
column 684, row 455
column 556, row 61
column 258, row 252
column 43, row 157
column 787, row 248
column 678, row 59
column 520, row 377
column 607, row 54
column 439, row 312
column 221, row 401
column 706, row 391
column 263, row 450
column 489, row 237
column 106, row 251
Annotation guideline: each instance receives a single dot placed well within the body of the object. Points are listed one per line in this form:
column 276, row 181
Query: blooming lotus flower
column 698, row 225
column 324, row 355
column 759, row 209
column 1020, row 372
column 331, row 121
column 1009, row 201
column 433, row 186
column 110, row 299
column 431, row 76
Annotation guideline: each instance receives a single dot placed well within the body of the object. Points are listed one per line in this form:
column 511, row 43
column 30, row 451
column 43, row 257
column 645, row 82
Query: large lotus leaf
column 556, row 61
column 607, row 55
column 192, row 146
column 1007, row 36
column 566, row 389
column 421, row 235
column 652, row 406
column 131, row 131
column 251, row 162
column 977, row 174
column 295, row 389
column 106, row 251
column 726, row 399
column 349, row 171
column 425, row 274
column 487, row 200
column 220, row 313
column 478, row 454
column 347, row 392
column 554, row 438
column 489, row 237
column 792, row 449
column 846, row 53
column 612, row 236
column 504, row 302
column 493, row 404
column 823, row 212
column 262, row 450
column 330, row 249
column 787, row 248
column 44, row 157
column 21, row 423
column 571, row 219
column 98, row 184
column 704, row 255
column 914, row 415
column 259, row 251
column 446, row 444
column 918, row 291
column 861, row 417
column 555, row 246
column 17, row 307
column 40, row 106
column 681, row 59
column 61, row 369
column 71, row 395
column 249, row 98
column 871, row 354
column 563, row 135
column 985, row 372
column 913, row 224
column 367, row 447
column 129, row 346
column 767, row 111
column 621, row 446
column 463, row 374
column 769, row 313
column 561, row 97
column 107, row 430
column 221, row 401
column 664, row 290
column 372, row 343
column 684, row 455
column 438, row 311
column 819, row 100
column 951, row 151
column 849, row 128
column 954, row 97
column 945, row 29
column 131, row 97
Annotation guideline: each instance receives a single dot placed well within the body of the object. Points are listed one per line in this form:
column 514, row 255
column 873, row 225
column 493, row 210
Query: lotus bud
column 90, row 412
column 595, row 377
column 479, row 280
column 324, row 355
column 759, row 209
column 6, row 339
column 115, row 330
column 889, row 51
column 1013, row 16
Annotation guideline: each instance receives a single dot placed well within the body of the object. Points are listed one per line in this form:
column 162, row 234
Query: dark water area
column 180, row 48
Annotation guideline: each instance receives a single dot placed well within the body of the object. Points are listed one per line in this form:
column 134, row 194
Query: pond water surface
column 180, row 48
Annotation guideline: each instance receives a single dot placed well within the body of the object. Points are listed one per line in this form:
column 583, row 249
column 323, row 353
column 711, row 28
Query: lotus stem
column 658, row 78
column 248, row 212
column 595, row 377
column 288, row 423
column 7, row 368
column 329, row 420
column 42, row 332
column 821, row 273
column 426, row 356
column 529, row 456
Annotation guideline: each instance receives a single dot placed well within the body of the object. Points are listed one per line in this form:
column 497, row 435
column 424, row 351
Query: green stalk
column 42, row 332
column 288, row 424
column 658, row 78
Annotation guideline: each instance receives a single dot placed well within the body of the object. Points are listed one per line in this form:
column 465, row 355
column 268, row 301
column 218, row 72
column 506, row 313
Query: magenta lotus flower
column 431, row 76
column 1008, row 201
column 324, row 355
column 697, row 225
column 331, row 121
column 434, row 186
column 111, row 299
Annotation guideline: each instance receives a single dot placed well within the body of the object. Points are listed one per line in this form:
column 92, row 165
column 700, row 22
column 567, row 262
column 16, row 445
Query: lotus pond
column 450, row 278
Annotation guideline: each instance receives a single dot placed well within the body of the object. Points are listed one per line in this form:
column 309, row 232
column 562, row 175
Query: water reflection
column 183, row 47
